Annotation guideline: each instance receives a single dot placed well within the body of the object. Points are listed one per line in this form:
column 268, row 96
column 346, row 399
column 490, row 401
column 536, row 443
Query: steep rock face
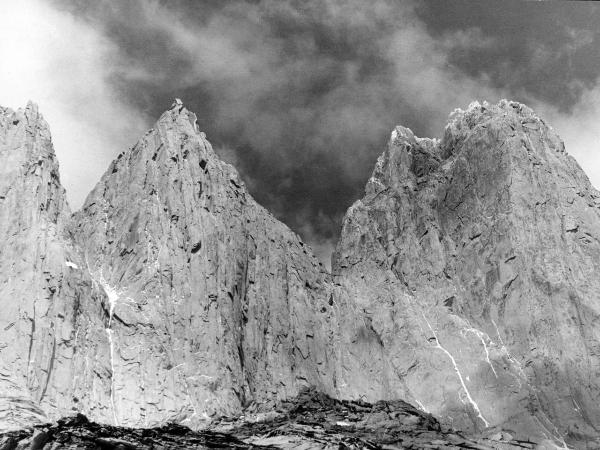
column 465, row 282
column 211, row 301
column 477, row 259
column 49, row 312
column 171, row 295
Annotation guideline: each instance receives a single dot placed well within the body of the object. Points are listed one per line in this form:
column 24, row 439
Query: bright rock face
column 477, row 259
column 52, row 346
column 464, row 282
column 212, row 303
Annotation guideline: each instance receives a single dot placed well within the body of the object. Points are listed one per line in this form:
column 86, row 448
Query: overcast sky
column 300, row 96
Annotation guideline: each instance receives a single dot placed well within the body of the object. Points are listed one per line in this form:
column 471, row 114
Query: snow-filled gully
column 458, row 373
column 113, row 297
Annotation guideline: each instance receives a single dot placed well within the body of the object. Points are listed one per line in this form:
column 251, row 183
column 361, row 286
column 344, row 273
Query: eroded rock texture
column 211, row 302
column 476, row 258
column 464, row 282
column 52, row 344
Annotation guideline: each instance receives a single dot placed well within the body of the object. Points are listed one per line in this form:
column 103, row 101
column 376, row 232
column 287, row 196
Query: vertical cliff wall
column 212, row 302
column 52, row 344
column 477, row 258
column 465, row 281
column 171, row 296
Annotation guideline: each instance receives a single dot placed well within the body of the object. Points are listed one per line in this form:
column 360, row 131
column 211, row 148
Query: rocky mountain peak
column 408, row 158
column 455, row 247
column 24, row 121
column 30, row 111
column 42, row 290
column 228, row 299
column 506, row 114
column 464, row 281
column 26, row 147
column 179, row 111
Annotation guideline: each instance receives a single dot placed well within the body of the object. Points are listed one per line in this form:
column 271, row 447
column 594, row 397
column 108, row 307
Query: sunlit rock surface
column 212, row 302
column 52, row 343
column 465, row 283
column 476, row 259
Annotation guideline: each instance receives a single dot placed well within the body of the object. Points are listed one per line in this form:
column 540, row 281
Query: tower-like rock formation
column 212, row 303
column 477, row 257
column 51, row 338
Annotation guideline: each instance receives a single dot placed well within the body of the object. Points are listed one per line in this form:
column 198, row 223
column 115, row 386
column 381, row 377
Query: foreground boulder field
column 465, row 283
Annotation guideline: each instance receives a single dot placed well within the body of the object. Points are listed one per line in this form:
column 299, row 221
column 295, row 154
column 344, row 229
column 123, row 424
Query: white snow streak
column 421, row 406
column 516, row 363
column 457, row 370
column 550, row 436
column 480, row 334
column 112, row 375
column 113, row 297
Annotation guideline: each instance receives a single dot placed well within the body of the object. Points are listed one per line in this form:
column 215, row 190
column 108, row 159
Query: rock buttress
column 477, row 258
column 52, row 342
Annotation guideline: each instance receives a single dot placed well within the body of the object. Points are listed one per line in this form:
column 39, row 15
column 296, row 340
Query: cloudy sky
column 300, row 95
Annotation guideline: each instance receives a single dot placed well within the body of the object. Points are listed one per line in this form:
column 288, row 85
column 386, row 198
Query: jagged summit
column 29, row 107
column 478, row 113
column 410, row 159
column 25, row 125
column 178, row 110
column 515, row 115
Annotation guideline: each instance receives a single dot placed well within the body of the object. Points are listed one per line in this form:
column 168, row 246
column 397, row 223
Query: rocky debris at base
column 310, row 421
column 79, row 433
column 316, row 421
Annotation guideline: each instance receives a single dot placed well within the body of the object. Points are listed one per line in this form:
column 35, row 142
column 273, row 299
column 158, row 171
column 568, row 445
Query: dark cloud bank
column 301, row 95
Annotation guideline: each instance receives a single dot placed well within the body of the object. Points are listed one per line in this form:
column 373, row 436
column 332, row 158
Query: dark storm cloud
column 302, row 95
column 544, row 50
